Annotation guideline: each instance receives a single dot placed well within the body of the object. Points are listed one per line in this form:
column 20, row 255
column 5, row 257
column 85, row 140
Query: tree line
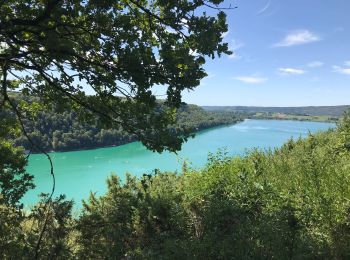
column 330, row 111
column 291, row 202
column 288, row 203
column 55, row 130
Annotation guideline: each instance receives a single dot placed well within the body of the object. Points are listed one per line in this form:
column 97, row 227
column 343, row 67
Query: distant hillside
column 334, row 111
column 54, row 130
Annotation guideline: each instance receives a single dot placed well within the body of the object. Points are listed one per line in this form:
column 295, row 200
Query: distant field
column 282, row 116
column 328, row 111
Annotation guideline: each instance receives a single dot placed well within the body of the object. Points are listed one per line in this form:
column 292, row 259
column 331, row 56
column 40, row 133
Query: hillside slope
column 287, row 203
column 63, row 131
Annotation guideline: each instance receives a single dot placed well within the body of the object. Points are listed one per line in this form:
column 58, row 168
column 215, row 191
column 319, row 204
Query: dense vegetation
column 291, row 203
column 119, row 50
column 330, row 111
column 288, row 203
column 55, row 130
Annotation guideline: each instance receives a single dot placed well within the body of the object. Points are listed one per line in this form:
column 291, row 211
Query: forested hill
column 289, row 203
column 334, row 111
column 62, row 131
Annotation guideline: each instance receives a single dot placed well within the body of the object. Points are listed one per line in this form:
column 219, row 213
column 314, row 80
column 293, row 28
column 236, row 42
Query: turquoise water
column 77, row 173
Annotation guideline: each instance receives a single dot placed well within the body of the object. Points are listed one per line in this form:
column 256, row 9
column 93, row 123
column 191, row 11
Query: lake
column 79, row 172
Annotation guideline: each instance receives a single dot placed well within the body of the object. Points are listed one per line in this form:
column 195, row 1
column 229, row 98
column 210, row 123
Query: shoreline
column 195, row 132
column 127, row 142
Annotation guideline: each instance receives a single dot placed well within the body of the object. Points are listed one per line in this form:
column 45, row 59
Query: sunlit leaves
column 119, row 48
column 291, row 202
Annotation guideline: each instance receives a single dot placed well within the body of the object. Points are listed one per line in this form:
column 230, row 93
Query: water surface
column 79, row 172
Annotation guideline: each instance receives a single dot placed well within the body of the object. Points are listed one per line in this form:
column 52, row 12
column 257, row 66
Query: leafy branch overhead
column 121, row 49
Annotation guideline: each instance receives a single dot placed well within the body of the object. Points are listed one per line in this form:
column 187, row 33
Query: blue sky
column 286, row 53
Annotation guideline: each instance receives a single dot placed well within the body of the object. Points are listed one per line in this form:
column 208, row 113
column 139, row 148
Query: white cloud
column 297, row 38
column 251, row 79
column 315, row 64
column 342, row 70
column 291, row 71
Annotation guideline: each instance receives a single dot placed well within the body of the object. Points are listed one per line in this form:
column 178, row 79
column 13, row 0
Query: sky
column 286, row 53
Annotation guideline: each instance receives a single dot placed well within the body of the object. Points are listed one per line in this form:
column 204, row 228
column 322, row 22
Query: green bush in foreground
column 288, row 203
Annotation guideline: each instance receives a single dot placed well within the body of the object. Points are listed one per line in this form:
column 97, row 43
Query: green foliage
column 20, row 230
column 134, row 219
column 11, row 233
column 14, row 180
column 288, row 203
column 56, row 215
column 344, row 127
column 62, row 131
column 121, row 49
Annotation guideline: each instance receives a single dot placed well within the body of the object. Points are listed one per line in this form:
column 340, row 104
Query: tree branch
column 220, row 8
column 161, row 20
column 20, row 120
column 45, row 15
